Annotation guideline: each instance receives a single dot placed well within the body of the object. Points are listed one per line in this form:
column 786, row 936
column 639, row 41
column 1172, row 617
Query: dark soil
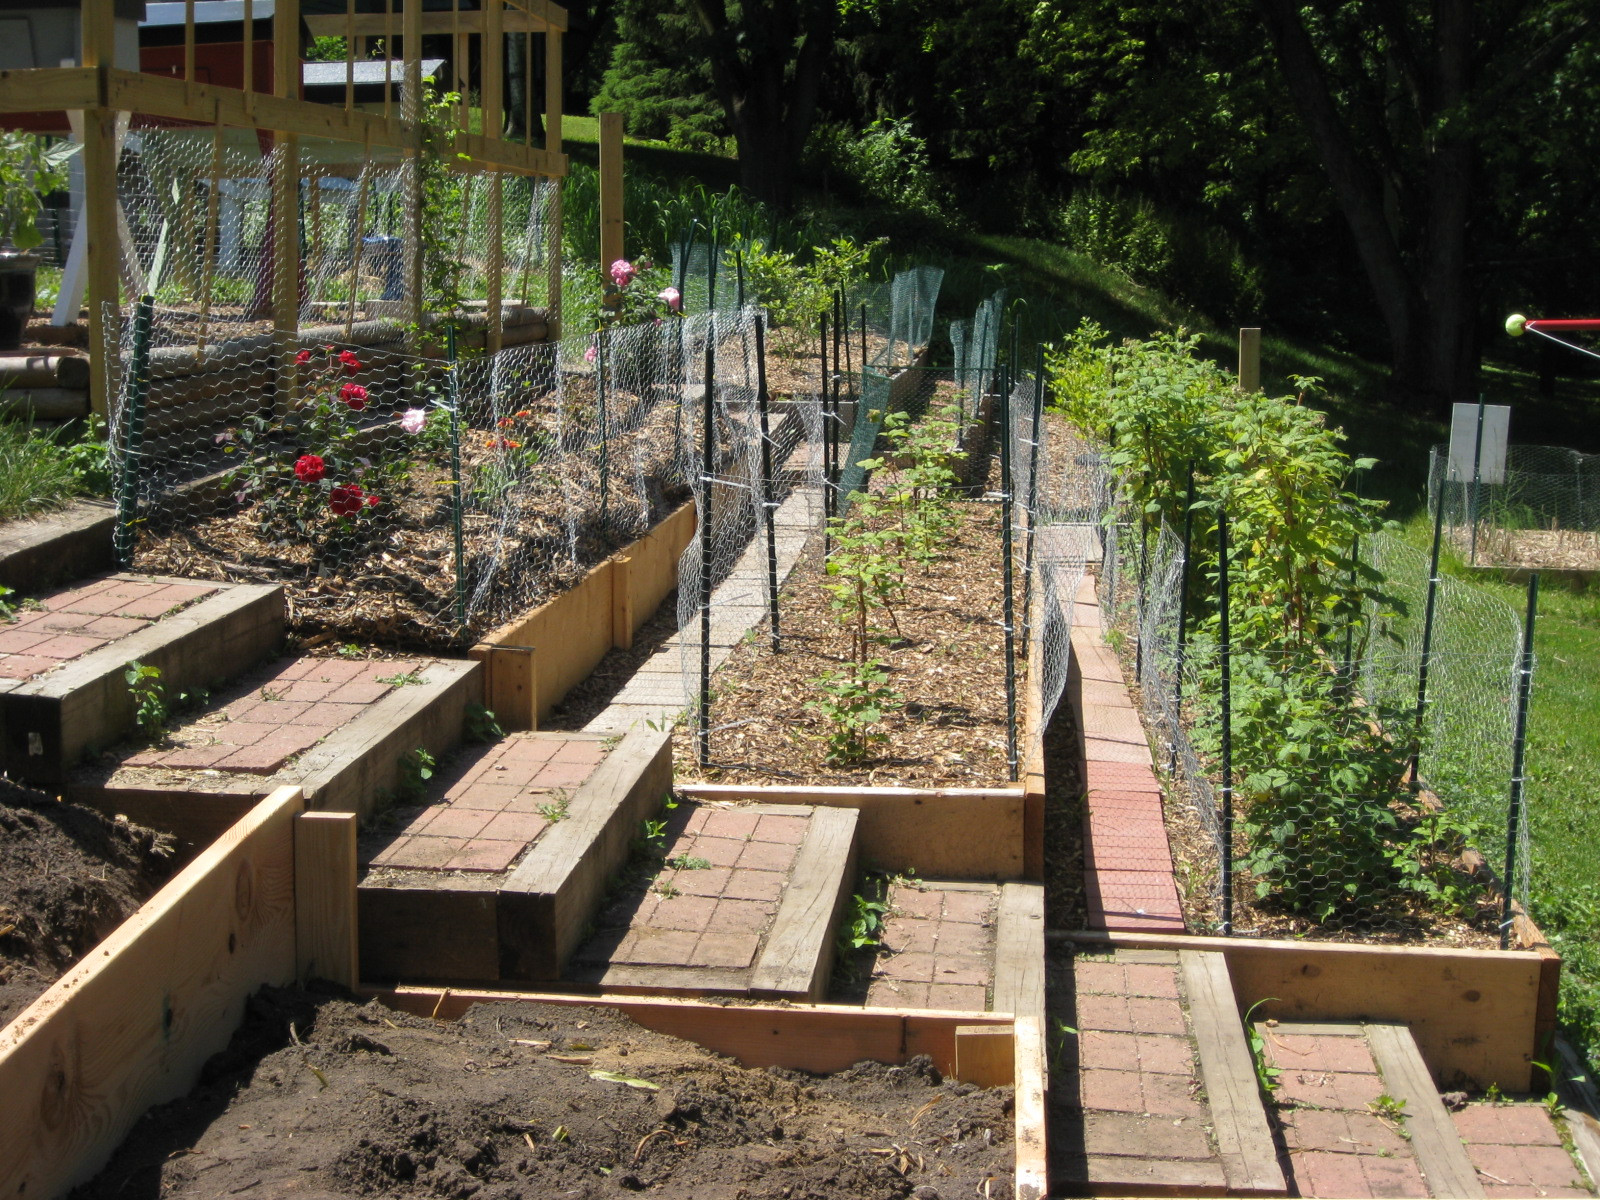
column 324, row 1098
column 68, row 876
column 1065, row 905
column 40, row 334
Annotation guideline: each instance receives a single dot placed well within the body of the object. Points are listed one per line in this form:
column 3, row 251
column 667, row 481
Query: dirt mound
column 323, row 1097
column 68, row 876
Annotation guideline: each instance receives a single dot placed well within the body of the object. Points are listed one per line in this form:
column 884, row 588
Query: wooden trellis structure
column 102, row 92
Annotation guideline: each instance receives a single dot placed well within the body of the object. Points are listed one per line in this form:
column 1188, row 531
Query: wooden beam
column 131, row 1025
column 492, row 57
column 1434, row 1140
column 1249, row 360
column 798, row 955
column 611, row 217
column 325, row 897
column 821, row 1038
column 1032, row 1137
column 99, row 48
column 50, row 89
column 104, row 293
column 985, row 1055
column 552, row 146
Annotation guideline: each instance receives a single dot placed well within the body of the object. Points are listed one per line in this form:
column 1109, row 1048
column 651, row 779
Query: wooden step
column 339, row 729
column 64, row 657
column 740, row 899
column 497, row 876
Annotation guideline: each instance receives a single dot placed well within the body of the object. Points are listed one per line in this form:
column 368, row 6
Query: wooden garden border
column 1476, row 1014
column 534, row 660
column 272, row 900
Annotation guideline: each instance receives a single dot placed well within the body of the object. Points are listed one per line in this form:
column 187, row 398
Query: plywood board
column 802, row 1037
column 131, row 1025
column 946, row 833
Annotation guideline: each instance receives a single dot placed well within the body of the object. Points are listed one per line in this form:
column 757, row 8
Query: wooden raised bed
column 130, row 1026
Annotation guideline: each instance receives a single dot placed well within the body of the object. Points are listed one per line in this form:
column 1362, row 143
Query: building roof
column 206, row 12
column 367, row 71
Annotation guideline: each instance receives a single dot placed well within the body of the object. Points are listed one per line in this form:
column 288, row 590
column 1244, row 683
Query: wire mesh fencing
column 1542, row 510
column 415, row 498
column 976, row 345
column 1327, row 793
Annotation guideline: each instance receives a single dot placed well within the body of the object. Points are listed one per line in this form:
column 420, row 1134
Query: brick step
column 1360, row 1115
column 732, row 899
column 1153, row 1090
column 496, row 875
column 935, row 949
column 337, row 728
column 64, row 655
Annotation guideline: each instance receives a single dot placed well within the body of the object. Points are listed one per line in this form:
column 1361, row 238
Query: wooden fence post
column 325, row 897
column 1249, row 360
column 611, row 227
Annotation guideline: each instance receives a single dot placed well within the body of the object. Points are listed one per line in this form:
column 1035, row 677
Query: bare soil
column 944, row 653
column 321, row 1097
column 69, row 876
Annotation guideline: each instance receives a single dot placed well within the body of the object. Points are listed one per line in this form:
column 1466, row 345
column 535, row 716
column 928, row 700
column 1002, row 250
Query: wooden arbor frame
column 100, row 91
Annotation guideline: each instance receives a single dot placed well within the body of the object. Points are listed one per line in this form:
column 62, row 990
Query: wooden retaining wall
column 536, row 659
column 130, row 1026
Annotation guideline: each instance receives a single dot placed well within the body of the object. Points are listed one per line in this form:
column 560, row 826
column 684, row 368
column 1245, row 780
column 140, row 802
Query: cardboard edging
column 532, row 661
column 132, row 1024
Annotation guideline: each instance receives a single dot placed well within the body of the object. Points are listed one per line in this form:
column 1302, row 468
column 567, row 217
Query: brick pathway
column 287, row 710
column 936, row 949
column 488, row 805
column 711, row 902
column 1337, row 1144
column 73, row 622
column 1136, row 1115
column 1517, row 1151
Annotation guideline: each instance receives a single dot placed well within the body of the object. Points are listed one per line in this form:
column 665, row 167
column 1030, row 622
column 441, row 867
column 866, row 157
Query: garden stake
column 138, row 388
column 861, row 388
column 1477, row 472
column 849, row 370
column 1427, row 634
column 1183, row 614
column 1350, row 619
column 1227, row 727
column 833, row 382
column 600, row 412
column 1031, row 509
column 1519, row 745
column 768, row 504
column 1007, row 570
column 707, row 468
column 827, row 459
column 455, row 478
column 738, row 274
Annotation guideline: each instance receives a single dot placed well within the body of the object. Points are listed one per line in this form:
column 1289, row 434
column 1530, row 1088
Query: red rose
column 349, row 362
column 308, row 468
column 348, row 499
column 302, row 358
column 354, row 395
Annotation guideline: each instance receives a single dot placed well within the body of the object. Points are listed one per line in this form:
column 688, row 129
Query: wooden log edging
column 131, row 1025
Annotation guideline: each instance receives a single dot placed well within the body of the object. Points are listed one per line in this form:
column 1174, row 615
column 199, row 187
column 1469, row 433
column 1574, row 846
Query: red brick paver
column 74, row 621
column 1517, row 1151
column 936, row 949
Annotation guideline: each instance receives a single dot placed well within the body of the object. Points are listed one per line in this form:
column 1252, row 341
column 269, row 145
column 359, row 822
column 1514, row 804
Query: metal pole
column 1006, row 573
column 861, row 389
column 738, row 273
column 600, row 413
column 1183, row 619
column 838, row 467
column 1519, row 745
column 708, row 465
column 1427, row 635
column 1477, row 472
column 1351, row 617
column 1227, row 727
column 769, row 504
column 455, row 478
column 137, row 390
column 827, row 452
column 1032, row 506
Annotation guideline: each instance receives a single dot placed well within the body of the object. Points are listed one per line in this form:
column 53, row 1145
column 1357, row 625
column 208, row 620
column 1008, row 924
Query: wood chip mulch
column 947, row 664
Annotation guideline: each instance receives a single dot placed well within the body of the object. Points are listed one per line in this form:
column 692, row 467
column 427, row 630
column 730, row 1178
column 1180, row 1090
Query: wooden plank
column 1578, row 1093
column 941, row 833
column 49, row 89
column 546, row 903
column 104, row 248
column 798, row 956
column 1249, row 360
column 1019, row 951
column 610, row 189
column 621, row 603
column 131, row 1025
column 38, row 552
column 426, row 933
column 510, row 683
column 1238, row 1120
column 821, row 1038
column 985, row 1055
column 1434, row 1140
column 1032, row 1136
column 325, row 897
column 1472, row 1012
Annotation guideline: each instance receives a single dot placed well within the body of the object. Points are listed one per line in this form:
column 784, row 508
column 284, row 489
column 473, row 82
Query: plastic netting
column 976, row 344
column 1327, row 839
column 1542, row 511
column 395, row 495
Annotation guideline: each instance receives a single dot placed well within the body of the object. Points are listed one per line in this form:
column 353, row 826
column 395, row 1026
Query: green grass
column 34, row 474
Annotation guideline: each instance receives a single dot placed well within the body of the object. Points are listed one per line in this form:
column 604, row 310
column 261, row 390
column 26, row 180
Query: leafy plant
column 404, row 679
column 30, row 167
column 414, row 771
column 862, row 924
column 1266, row 1074
column 689, row 862
column 150, row 711
column 555, row 810
column 481, row 725
column 854, row 701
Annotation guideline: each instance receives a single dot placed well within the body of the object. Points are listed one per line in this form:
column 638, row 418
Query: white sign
column 1465, row 444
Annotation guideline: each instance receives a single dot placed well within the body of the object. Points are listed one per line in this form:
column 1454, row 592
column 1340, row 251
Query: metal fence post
column 708, row 465
column 1519, row 745
column 455, row 479
column 1007, row 571
column 769, row 502
column 1031, row 505
column 1227, row 725
column 1427, row 637
column 600, row 359
column 137, row 391
column 1477, row 478
column 1183, row 617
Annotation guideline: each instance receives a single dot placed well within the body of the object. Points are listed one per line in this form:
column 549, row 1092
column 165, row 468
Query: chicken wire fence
column 199, row 222
column 1323, row 836
column 975, row 345
column 398, row 496
column 1542, row 510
